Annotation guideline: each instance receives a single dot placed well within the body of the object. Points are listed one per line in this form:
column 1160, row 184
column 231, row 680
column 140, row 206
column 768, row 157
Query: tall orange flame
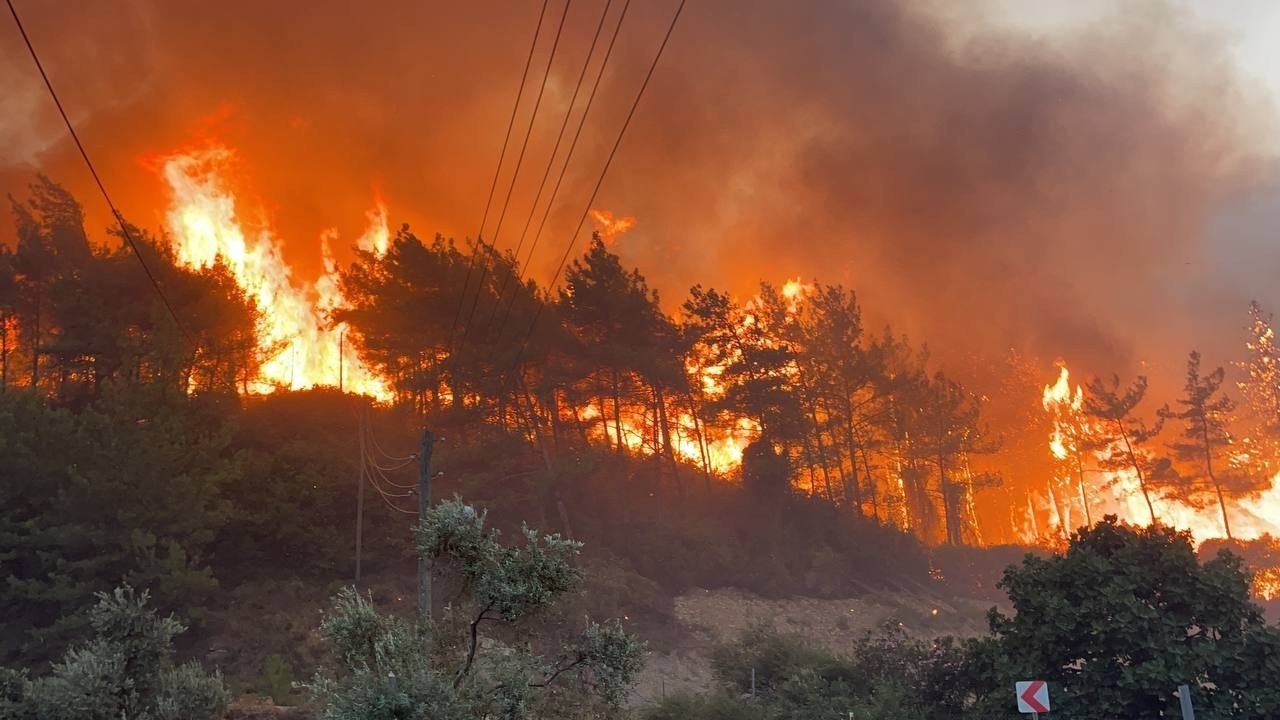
column 301, row 347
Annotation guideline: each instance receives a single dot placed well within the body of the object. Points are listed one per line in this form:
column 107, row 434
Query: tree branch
column 471, row 651
column 581, row 659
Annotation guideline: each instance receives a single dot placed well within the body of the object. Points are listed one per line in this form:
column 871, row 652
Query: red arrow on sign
column 1028, row 696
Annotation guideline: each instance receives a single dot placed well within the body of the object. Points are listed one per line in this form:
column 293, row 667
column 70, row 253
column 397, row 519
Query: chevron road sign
column 1033, row 696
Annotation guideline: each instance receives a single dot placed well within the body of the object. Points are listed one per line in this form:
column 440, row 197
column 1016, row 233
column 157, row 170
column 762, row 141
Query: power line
column 374, row 481
column 369, row 462
column 387, row 499
column 506, row 315
column 568, row 113
column 599, row 181
column 388, row 456
column 524, row 146
column 363, row 424
column 497, row 172
column 124, row 228
column 369, row 440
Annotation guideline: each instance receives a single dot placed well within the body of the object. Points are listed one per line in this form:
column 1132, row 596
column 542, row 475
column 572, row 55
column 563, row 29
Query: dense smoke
column 982, row 190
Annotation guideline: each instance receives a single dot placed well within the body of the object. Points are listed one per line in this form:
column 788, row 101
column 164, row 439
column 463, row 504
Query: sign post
column 1033, row 697
column 1184, row 698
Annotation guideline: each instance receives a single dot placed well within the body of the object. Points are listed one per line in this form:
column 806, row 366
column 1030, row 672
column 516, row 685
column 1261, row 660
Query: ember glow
column 301, row 348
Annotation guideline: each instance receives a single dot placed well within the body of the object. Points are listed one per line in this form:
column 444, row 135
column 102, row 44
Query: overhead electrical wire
column 124, row 227
column 497, row 172
column 374, row 440
column 599, row 181
column 387, row 499
column 524, row 146
column 506, row 314
column 564, row 125
column 367, row 469
column 369, row 440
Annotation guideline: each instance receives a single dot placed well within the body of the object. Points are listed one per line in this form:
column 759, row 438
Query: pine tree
column 1261, row 390
column 950, row 428
column 627, row 342
column 1127, row 434
column 1206, row 440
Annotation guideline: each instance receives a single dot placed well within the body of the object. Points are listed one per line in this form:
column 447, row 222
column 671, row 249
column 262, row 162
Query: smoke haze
column 1101, row 194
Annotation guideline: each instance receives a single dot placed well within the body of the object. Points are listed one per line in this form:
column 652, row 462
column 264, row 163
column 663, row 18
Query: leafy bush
column 387, row 668
column 277, row 675
column 885, row 676
column 125, row 671
column 1122, row 618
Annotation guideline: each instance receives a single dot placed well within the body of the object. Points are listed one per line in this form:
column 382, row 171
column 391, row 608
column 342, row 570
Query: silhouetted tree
column 1205, row 441
column 950, row 430
column 1125, row 432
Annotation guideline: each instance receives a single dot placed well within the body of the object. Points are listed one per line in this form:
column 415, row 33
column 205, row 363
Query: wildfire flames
column 1116, row 492
column 610, row 227
column 301, row 348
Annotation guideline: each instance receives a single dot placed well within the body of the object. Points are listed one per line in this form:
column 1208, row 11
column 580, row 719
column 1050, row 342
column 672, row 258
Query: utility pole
column 424, row 506
column 360, row 495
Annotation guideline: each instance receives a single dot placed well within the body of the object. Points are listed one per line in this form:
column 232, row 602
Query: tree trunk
column 1084, row 498
column 871, row 485
column 35, row 345
column 4, row 354
column 948, row 520
column 1142, row 481
column 556, row 430
column 850, row 439
column 822, row 453
column 664, row 427
column 702, row 443
column 1208, row 466
column 536, row 425
column 616, row 392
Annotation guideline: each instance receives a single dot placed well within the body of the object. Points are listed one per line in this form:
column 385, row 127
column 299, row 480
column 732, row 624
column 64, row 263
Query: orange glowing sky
column 1083, row 192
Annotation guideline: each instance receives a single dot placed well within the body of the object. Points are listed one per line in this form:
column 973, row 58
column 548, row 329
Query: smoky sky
column 1101, row 196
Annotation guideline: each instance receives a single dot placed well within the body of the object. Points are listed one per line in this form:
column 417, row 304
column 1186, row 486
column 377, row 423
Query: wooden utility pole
column 424, row 505
column 360, row 495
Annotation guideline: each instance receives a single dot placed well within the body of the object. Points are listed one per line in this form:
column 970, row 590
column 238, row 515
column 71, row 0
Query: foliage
column 1124, row 434
column 1261, row 387
column 129, row 492
column 125, row 671
column 885, row 676
column 1121, row 619
column 390, row 669
column 82, row 319
column 278, row 675
column 1205, row 446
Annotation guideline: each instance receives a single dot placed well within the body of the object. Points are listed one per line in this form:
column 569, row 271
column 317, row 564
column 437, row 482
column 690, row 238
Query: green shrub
column 125, row 671
column 277, row 676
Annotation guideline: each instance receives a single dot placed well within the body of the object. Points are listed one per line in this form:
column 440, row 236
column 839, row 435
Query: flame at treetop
column 1065, row 406
column 301, row 348
column 610, row 227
